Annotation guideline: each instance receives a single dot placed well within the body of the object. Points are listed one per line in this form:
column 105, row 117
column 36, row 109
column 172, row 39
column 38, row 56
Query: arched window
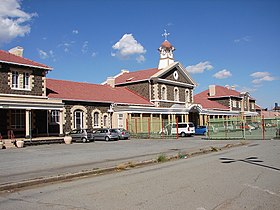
column 176, row 94
column 163, row 93
column 105, row 121
column 187, row 96
column 96, row 119
column 78, row 119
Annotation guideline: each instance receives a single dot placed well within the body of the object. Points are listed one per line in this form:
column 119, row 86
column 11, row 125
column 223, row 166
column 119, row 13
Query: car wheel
column 107, row 138
column 84, row 140
column 183, row 134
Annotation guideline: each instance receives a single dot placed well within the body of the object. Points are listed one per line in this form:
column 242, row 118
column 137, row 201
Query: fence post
column 127, row 124
column 177, row 130
column 162, row 129
column 149, row 127
column 208, row 127
column 263, row 129
column 136, row 127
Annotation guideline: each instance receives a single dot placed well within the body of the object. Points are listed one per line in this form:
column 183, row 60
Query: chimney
column 111, row 81
column 233, row 87
column 18, row 51
column 212, row 90
column 227, row 86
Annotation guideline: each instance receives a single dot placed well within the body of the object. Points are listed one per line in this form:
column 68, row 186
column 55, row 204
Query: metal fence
column 243, row 128
column 151, row 129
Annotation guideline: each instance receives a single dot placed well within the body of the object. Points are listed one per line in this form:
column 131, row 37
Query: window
column 176, row 94
column 78, row 119
column 54, row 116
column 105, row 118
column 252, row 106
column 26, row 80
column 120, row 121
column 96, row 119
column 15, row 79
column 234, row 103
column 18, row 119
column 163, row 93
column 187, row 96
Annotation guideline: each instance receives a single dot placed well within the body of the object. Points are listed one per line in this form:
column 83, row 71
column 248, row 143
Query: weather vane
column 165, row 34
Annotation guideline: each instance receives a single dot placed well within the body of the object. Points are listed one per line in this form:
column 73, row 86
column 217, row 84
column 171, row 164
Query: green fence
column 243, row 128
column 151, row 129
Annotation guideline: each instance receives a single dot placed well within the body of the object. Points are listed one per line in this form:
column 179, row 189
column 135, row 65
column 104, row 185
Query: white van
column 184, row 129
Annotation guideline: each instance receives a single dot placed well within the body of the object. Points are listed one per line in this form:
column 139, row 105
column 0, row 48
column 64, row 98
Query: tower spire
column 165, row 34
column 166, row 52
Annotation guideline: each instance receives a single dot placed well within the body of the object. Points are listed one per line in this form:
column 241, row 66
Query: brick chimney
column 18, row 51
column 212, row 90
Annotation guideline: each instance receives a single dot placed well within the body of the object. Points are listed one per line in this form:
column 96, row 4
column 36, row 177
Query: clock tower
column 166, row 53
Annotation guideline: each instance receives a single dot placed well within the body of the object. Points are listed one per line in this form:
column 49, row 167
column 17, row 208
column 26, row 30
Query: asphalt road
column 245, row 177
column 50, row 160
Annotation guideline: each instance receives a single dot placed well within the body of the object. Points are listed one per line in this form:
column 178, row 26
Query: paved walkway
column 33, row 162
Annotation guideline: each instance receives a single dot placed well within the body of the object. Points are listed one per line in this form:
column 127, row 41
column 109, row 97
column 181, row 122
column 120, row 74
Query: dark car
column 123, row 134
column 84, row 135
column 200, row 130
column 106, row 134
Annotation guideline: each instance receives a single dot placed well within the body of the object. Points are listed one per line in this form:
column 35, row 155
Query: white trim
column 171, row 82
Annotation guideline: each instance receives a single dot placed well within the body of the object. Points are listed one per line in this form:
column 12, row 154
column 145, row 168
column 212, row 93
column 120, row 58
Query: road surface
column 245, row 177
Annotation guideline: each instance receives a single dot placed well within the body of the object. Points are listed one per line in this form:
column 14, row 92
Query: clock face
column 175, row 75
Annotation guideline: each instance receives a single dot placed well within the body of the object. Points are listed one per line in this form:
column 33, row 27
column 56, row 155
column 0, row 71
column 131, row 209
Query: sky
column 222, row 42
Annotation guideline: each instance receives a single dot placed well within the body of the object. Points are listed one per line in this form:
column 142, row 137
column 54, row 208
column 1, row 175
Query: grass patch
column 162, row 158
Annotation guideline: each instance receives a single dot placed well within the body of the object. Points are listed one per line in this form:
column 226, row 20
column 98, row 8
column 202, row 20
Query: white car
column 184, row 129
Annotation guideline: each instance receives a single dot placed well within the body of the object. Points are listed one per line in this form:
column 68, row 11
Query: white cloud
column 140, row 59
column 223, row 74
column 243, row 39
column 94, row 54
column 85, row 47
column 200, row 67
column 128, row 46
column 75, row 31
column 13, row 21
column 261, row 76
column 43, row 54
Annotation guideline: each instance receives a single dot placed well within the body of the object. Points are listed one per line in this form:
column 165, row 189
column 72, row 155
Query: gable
column 174, row 73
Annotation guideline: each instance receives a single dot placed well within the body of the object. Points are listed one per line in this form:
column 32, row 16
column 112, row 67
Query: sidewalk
column 45, row 161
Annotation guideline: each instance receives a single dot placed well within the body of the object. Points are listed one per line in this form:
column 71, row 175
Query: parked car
column 106, row 134
column 200, row 130
column 84, row 135
column 123, row 134
column 184, row 129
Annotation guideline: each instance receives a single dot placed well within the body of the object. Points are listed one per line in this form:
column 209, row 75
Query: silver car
column 84, row 135
column 123, row 134
column 106, row 134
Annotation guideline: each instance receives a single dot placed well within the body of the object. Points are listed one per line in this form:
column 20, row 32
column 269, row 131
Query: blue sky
column 233, row 42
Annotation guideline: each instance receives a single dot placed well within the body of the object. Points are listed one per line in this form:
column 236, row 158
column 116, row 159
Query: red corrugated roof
column 136, row 76
column 7, row 57
column 202, row 98
column 80, row 91
column 224, row 91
